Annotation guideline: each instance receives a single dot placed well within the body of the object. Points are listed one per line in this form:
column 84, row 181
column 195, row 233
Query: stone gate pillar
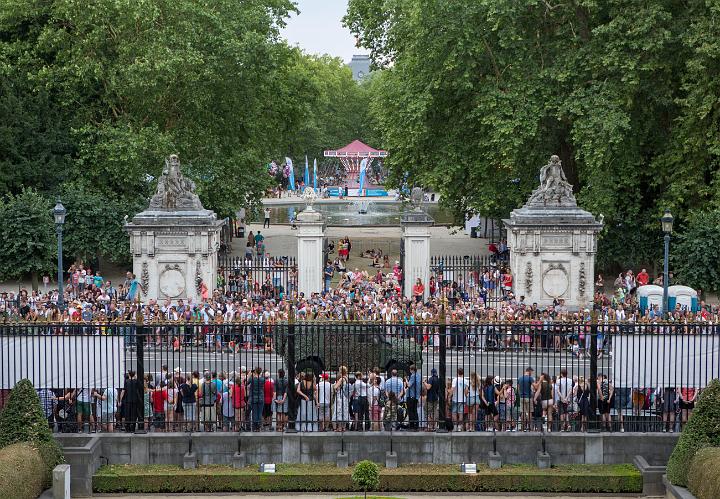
column 553, row 244
column 416, row 244
column 174, row 242
column 310, row 240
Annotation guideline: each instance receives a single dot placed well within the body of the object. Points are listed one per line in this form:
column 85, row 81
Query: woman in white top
column 341, row 408
column 374, row 400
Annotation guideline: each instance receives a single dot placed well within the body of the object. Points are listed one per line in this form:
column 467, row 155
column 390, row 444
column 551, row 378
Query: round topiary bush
column 704, row 474
column 702, row 430
column 366, row 476
column 19, row 476
column 22, row 420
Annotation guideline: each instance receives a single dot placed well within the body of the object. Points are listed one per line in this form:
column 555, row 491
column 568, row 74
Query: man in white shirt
column 564, row 388
column 458, row 399
column 324, row 398
column 362, row 416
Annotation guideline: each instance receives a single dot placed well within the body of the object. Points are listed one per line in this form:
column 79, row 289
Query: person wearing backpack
column 208, row 396
column 256, row 397
column 432, row 385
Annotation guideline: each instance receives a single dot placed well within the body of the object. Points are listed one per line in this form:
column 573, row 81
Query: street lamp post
column 667, row 226
column 59, row 215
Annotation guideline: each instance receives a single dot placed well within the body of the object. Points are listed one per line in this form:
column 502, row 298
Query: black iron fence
column 269, row 277
column 470, row 276
column 323, row 376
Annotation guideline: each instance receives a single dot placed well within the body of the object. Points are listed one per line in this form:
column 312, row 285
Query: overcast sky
column 318, row 29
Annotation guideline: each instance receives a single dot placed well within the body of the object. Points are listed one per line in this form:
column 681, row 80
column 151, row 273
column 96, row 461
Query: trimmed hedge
column 704, row 474
column 701, row 430
column 566, row 479
column 21, row 473
column 22, row 420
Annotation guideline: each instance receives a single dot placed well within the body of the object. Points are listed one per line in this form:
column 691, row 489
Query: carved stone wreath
column 581, row 279
column 555, row 280
column 172, row 280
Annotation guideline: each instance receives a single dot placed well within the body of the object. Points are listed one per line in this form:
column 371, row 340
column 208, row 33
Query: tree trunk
column 34, row 281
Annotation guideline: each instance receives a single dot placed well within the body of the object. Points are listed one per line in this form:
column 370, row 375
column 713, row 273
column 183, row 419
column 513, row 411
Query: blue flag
column 291, row 173
column 306, row 178
column 315, row 173
column 363, row 168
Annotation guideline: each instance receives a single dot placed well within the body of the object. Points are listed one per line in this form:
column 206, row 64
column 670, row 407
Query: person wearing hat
column 526, row 390
column 432, row 386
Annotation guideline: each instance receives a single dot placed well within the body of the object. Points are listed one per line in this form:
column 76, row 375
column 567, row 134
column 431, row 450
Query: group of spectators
column 253, row 400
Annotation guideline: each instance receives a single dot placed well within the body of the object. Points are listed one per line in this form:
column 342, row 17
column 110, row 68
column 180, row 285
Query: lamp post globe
column 59, row 213
column 667, row 225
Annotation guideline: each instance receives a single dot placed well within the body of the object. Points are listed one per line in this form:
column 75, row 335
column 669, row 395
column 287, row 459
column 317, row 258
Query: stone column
column 416, row 242
column 310, row 237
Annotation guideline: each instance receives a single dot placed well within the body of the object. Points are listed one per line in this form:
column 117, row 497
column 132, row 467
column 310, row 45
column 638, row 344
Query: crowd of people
column 253, row 400
column 268, row 293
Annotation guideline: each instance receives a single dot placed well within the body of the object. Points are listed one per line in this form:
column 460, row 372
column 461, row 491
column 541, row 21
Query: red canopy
column 356, row 149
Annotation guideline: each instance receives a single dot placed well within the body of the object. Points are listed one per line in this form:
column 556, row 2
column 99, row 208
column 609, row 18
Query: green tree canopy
column 137, row 81
column 696, row 262
column 476, row 94
column 27, row 240
column 94, row 95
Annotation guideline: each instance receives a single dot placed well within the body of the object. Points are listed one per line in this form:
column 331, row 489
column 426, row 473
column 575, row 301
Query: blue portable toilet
column 684, row 296
column 649, row 296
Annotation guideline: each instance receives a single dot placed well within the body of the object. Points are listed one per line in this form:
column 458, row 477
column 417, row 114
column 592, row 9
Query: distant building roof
column 360, row 66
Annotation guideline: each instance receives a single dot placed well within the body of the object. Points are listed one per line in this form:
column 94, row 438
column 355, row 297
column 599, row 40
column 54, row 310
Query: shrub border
column 219, row 479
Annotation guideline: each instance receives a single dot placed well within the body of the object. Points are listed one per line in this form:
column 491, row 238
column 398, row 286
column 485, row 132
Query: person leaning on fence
column 459, row 400
column 208, row 398
column 341, row 403
column 256, row 397
column 307, row 392
column 133, row 405
column 159, row 397
column 526, row 388
column 324, row 402
column 413, row 393
column 281, row 400
column 432, row 385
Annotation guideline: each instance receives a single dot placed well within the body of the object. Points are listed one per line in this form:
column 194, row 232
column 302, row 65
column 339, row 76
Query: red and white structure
column 352, row 155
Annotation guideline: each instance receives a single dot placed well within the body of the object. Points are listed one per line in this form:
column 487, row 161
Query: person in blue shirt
column 526, row 390
column 413, row 391
column 133, row 287
column 395, row 385
column 328, row 275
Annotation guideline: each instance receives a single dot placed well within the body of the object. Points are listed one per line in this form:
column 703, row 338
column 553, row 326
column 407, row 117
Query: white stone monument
column 553, row 244
column 174, row 242
column 416, row 244
column 310, row 240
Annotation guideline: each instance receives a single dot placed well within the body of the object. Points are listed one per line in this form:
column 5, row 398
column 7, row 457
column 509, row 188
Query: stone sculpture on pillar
column 553, row 243
column 174, row 242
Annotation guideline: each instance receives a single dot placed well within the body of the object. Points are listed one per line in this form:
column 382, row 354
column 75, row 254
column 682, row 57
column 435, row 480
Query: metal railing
column 469, row 276
column 271, row 277
column 449, row 376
